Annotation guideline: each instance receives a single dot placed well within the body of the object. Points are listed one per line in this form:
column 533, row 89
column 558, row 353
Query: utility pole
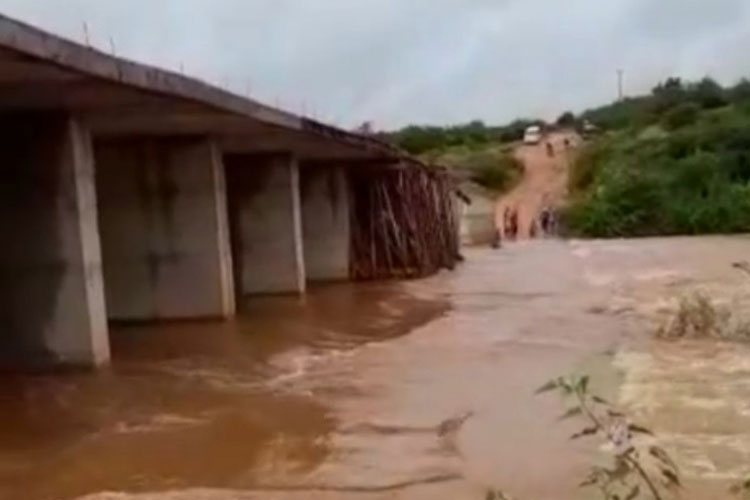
column 620, row 76
column 86, row 34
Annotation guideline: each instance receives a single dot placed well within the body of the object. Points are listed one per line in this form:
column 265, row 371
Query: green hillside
column 491, row 165
column 676, row 161
column 474, row 151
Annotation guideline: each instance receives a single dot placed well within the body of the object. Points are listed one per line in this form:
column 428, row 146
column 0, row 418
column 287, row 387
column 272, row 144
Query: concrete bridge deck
column 114, row 96
column 136, row 194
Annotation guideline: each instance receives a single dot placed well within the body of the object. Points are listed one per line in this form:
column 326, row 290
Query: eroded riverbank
column 400, row 390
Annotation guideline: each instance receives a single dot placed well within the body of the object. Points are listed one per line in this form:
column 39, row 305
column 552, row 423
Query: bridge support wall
column 264, row 212
column 325, row 222
column 52, row 308
column 164, row 229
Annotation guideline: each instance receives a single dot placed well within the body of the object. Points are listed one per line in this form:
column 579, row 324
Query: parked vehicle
column 533, row 135
column 589, row 130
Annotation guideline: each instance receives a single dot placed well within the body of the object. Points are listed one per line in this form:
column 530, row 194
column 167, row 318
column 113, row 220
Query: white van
column 533, row 135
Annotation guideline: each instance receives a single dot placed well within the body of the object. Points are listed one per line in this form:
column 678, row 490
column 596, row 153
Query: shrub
column 498, row 173
column 681, row 115
column 586, row 165
column 567, row 119
column 708, row 94
column 692, row 181
column 741, row 91
column 696, row 317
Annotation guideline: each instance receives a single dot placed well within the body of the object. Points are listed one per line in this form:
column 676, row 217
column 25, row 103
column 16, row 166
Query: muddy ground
column 544, row 182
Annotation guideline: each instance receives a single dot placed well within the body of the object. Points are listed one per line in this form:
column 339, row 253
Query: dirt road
column 544, row 182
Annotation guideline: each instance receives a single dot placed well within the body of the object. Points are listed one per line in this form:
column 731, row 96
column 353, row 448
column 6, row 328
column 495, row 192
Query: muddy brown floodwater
column 395, row 391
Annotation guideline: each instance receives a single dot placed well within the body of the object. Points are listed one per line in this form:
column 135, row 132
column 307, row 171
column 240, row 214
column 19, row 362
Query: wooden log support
column 403, row 223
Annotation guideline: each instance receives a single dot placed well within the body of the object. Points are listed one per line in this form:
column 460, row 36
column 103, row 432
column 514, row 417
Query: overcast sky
column 417, row 61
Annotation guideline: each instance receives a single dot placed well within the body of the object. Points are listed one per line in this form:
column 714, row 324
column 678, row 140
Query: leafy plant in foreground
column 638, row 467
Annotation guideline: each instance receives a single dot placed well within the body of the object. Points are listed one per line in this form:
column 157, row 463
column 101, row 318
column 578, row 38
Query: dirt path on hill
column 544, row 182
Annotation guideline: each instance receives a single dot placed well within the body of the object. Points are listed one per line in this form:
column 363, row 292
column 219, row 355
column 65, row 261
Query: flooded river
column 395, row 391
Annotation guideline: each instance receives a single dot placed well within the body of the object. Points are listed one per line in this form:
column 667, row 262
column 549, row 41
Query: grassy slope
column 646, row 180
column 490, row 165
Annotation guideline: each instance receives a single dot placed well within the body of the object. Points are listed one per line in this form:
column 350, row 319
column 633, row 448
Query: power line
column 620, row 77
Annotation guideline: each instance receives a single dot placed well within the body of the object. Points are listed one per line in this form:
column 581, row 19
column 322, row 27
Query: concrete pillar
column 325, row 221
column 165, row 234
column 264, row 212
column 52, row 307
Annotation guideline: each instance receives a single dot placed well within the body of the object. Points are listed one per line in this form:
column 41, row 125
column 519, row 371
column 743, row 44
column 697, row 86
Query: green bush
column 420, row 140
column 694, row 180
column 498, row 173
column 673, row 93
column 708, row 94
column 740, row 92
column 584, row 170
column 681, row 115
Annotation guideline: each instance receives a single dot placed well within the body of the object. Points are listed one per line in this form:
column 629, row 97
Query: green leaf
column 600, row 400
column 672, row 478
column 663, row 457
column 583, row 384
column 621, row 470
column 633, row 493
column 567, row 385
column 588, row 431
column 639, row 430
column 589, row 481
column 549, row 386
column 741, row 488
column 575, row 411
column 629, row 452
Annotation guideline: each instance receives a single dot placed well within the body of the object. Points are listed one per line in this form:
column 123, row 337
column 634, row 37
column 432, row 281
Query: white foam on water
column 156, row 423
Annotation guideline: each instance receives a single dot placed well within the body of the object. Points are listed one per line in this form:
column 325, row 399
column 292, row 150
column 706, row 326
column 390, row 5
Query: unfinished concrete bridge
column 135, row 194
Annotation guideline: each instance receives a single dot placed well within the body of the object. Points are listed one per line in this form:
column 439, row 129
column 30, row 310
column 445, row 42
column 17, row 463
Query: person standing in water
column 506, row 222
column 497, row 239
column 514, row 223
column 544, row 221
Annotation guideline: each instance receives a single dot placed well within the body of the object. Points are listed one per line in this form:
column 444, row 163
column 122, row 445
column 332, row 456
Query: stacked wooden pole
column 403, row 221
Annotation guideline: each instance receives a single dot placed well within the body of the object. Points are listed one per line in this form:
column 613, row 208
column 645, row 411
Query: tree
column 567, row 119
column 668, row 94
column 708, row 94
column 475, row 131
column 417, row 140
column 741, row 91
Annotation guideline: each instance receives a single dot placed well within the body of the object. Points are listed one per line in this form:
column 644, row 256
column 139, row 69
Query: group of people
column 550, row 147
column 544, row 225
column 548, row 221
column 510, row 223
